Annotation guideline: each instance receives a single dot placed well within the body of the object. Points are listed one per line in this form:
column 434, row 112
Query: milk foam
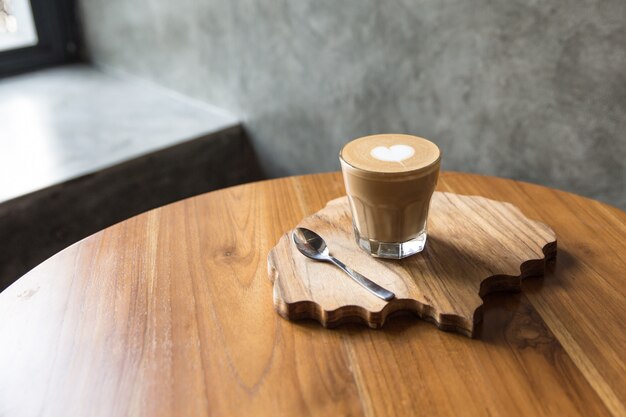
column 394, row 153
column 391, row 153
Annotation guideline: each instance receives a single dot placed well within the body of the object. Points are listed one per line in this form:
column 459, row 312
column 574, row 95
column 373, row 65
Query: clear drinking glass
column 390, row 197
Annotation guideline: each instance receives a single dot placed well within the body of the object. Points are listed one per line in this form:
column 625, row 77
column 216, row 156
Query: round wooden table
column 170, row 314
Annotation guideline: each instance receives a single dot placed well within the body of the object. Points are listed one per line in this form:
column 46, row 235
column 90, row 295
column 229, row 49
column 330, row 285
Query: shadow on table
column 511, row 318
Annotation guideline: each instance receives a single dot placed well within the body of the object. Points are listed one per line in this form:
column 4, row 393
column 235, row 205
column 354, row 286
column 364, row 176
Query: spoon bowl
column 310, row 244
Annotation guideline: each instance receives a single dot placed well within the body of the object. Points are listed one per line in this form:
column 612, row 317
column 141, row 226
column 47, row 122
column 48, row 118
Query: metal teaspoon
column 311, row 245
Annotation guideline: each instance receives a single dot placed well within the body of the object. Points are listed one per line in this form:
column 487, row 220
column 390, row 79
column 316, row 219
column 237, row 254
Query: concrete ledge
column 63, row 123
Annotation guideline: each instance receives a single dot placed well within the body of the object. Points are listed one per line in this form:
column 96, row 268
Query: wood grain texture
column 476, row 246
column 169, row 314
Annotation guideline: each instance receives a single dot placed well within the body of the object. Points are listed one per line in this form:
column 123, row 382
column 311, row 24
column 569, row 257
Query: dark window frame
column 58, row 39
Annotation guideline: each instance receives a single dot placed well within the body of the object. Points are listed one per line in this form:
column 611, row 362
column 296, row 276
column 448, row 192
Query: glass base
column 391, row 250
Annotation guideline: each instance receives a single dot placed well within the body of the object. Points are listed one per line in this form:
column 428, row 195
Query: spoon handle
column 369, row 285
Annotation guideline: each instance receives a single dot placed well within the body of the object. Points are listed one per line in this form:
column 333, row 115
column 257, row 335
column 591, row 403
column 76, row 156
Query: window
column 17, row 28
column 36, row 33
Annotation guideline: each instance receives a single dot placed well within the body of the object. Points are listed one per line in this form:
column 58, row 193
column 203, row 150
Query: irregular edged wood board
column 475, row 246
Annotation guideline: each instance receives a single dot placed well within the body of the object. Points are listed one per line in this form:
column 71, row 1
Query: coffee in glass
column 390, row 179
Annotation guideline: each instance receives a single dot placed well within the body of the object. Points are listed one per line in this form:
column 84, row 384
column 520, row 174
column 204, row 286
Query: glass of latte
column 390, row 180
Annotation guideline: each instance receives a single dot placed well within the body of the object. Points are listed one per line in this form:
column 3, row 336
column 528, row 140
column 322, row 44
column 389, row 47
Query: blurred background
column 110, row 108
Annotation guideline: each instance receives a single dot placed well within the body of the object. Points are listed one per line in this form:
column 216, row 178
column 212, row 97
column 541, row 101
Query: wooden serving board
column 475, row 246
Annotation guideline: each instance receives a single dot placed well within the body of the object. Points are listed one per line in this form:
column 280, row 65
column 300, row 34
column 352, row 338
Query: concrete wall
column 529, row 89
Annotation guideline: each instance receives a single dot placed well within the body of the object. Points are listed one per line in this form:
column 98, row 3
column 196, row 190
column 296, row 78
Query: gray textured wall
column 530, row 89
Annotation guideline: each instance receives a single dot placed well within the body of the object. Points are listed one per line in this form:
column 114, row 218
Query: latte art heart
column 395, row 153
